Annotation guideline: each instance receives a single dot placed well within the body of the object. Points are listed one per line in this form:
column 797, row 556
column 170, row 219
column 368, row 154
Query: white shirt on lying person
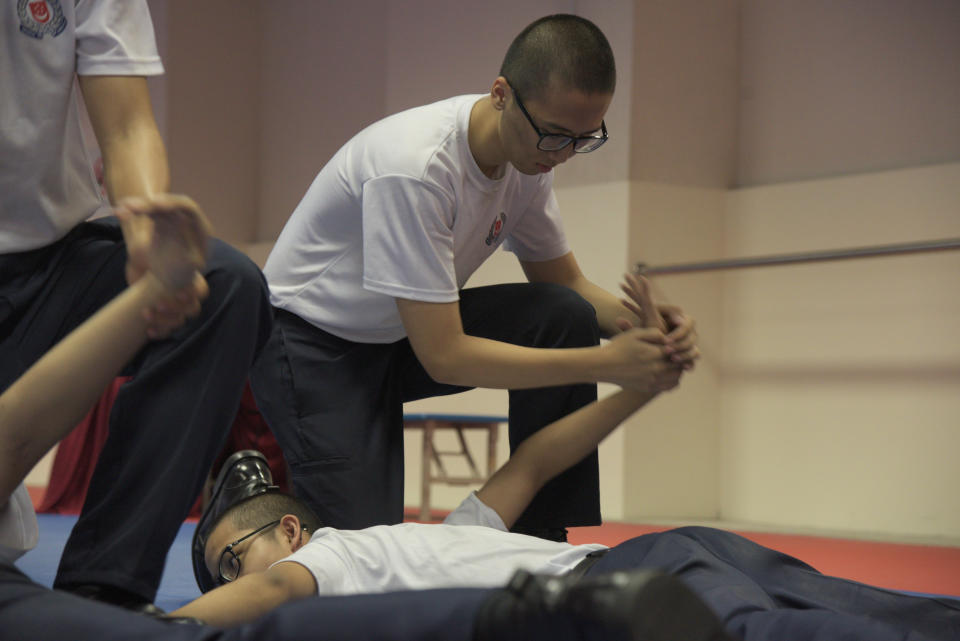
column 18, row 525
column 471, row 548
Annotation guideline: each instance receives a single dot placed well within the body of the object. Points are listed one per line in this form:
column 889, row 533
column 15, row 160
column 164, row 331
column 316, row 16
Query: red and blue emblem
column 495, row 228
column 40, row 17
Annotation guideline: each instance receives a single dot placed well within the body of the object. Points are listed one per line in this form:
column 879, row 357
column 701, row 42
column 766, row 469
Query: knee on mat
column 567, row 319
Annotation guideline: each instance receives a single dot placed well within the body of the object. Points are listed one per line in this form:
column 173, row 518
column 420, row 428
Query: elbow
column 441, row 370
column 442, row 365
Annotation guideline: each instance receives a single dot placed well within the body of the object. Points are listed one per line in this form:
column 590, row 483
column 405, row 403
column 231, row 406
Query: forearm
column 134, row 157
column 554, row 449
column 43, row 405
column 242, row 600
column 472, row 361
column 135, row 164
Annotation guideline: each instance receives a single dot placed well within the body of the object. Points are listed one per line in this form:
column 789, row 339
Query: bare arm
column 135, row 170
column 553, row 449
column 449, row 355
column 252, row 595
column 134, row 158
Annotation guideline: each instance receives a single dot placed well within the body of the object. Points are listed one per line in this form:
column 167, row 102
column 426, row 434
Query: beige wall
column 324, row 76
column 212, row 109
column 840, row 396
column 833, row 88
column 684, row 118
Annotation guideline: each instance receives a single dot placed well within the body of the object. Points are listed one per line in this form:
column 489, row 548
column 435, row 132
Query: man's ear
column 498, row 93
column 290, row 531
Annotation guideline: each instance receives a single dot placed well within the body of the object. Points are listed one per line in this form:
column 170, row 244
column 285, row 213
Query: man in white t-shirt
column 56, row 269
column 368, row 276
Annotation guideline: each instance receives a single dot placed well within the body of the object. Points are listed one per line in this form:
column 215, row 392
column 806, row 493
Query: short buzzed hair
column 259, row 510
column 564, row 49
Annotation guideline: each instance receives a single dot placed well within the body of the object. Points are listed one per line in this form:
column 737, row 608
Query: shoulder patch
column 40, row 17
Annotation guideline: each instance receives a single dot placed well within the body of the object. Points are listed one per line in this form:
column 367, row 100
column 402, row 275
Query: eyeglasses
column 556, row 142
column 229, row 565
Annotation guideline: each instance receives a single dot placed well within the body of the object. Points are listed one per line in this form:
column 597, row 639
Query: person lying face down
column 472, row 548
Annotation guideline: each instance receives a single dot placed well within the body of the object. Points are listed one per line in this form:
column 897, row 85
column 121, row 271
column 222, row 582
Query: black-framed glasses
column 556, row 142
column 229, row 564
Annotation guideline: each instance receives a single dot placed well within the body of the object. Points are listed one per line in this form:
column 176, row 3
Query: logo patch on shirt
column 495, row 228
column 39, row 17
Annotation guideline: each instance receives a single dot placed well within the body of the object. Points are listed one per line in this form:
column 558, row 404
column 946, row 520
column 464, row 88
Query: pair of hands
column 661, row 347
column 166, row 238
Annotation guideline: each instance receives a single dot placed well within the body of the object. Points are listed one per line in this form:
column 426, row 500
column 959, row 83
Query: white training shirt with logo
column 403, row 211
column 47, row 184
column 471, row 548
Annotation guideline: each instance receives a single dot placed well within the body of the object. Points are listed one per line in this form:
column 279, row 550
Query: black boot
column 619, row 606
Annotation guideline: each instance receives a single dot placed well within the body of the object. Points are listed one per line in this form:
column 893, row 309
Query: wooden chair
column 430, row 423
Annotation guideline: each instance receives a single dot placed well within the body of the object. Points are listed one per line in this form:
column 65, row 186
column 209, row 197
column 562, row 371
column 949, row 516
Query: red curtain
column 78, row 452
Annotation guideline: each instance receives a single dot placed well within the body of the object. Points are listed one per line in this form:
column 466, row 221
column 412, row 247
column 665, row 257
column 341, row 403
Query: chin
column 527, row 170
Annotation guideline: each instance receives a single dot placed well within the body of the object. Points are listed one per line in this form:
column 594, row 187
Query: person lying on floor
column 43, row 405
column 271, row 549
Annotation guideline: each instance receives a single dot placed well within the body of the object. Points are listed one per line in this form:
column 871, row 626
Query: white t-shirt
column 18, row 525
column 472, row 548
column 47, row 184
column 403, row 211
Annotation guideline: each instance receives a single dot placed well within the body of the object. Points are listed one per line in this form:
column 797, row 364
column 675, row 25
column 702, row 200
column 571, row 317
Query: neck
column 483, row 136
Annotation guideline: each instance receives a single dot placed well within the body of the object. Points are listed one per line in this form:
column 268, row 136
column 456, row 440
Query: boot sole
column 667, row 610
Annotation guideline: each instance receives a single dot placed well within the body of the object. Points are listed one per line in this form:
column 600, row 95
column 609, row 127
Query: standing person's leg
column 760, row 593
column 544, row 316
column 334, row 406
column 166, row 427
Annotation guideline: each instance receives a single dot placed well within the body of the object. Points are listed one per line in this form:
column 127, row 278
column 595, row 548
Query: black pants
column 31, row 611
column 167, row 424
column 761, row 594
column 335, row 406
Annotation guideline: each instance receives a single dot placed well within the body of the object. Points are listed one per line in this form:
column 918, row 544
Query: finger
column 633, row 307
column 622, row 324
column 684, row 344
column 650, row 314
column 648, row 335
column 681, row 327
column 638, row 289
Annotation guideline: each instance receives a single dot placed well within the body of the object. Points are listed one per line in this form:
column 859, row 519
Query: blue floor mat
column 177, row 587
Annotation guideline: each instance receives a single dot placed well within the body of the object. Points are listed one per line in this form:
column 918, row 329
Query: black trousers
column 31, row 611
column 335, row 406
column 761, row 594
column 168, row 423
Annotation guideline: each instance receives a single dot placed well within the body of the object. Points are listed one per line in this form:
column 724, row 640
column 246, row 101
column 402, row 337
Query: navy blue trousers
column 167, row 424
column 336, row 407
column 31, row 611
column 763, row 595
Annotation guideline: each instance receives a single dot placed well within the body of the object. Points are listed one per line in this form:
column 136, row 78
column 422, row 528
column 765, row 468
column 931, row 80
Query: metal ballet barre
column 802, row 257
